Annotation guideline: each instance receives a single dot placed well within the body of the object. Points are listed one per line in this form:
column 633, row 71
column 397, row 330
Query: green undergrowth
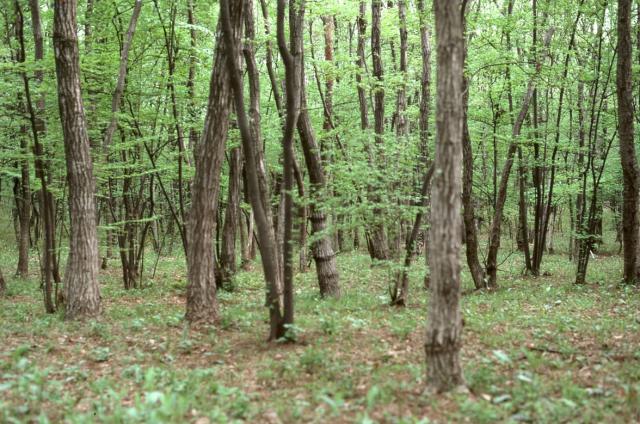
column 536, row 350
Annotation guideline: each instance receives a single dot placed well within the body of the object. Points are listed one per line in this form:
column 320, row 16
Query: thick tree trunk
column 201, row 291
column 82, row 292
column 322, row 249
column 630, row 173
column 444, row 324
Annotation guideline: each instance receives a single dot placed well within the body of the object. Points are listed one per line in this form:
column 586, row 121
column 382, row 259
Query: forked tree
column 205, row 189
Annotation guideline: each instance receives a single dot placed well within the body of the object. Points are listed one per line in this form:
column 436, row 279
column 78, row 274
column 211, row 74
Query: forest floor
column 536, row 350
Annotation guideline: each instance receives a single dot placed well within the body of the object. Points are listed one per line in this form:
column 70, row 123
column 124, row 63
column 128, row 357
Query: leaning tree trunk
column 82, row 292
column 255, row 186
column 444, row 325
column 630, row 173
column 495, row 232
column 201, row 291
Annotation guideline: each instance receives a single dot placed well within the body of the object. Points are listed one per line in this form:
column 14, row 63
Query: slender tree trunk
column 227, row 260
column 23, row 192
column 122, row 75
column 49, row 273
column 630, row 173
column 3, row 285
column 257, row 190
column 444, row 323
column 378, row 243
column 400, row 292
column 193, row 114
column 468, row 215
column 82, row 293
column 201, row 291
column 292, row 59
column 495, row 232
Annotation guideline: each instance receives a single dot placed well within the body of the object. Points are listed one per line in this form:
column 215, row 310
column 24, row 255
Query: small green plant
column 313, row 360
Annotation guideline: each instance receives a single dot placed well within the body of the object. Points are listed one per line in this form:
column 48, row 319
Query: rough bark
column 23, row 192
column 630, row 173
column 321, row 249
column 201, row 291
column 257, row 192
column 82, row 293
column 227, row 260
column 377, row 241
column 49, row 264
column 468, row 214
column 444, row 324
column 292, row 58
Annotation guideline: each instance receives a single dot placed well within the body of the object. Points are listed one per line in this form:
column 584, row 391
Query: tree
column 46, row 201
column 630, row 173
column 256, row 178
column 22, row 187
column 81, row 289
column 201, row 290
column 444, row 323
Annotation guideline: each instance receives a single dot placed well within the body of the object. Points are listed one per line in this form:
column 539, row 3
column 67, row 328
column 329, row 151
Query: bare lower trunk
column 227, row 261
column 258, row 191
column 3, row 285
column 630, row 172
column 82, row 293
column 202, row 305
column 444, row 325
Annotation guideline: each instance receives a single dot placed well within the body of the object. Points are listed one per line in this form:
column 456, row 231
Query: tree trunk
column 444, row 324
column 122, row 75
column 630, row 177
column 257, row 189
column 82, row 292
column 468, row 214
column 378, row 243
column 400, row 292
column 49, row 273
column 227, row 260
column 495, row 232
column 23, row 192
column 3, row 285
column 201, row 291
column 322, row 249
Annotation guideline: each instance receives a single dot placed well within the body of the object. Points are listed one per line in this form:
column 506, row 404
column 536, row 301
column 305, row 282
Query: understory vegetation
column 536, row 350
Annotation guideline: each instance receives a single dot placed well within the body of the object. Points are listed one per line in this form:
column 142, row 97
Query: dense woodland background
column 343, row 163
